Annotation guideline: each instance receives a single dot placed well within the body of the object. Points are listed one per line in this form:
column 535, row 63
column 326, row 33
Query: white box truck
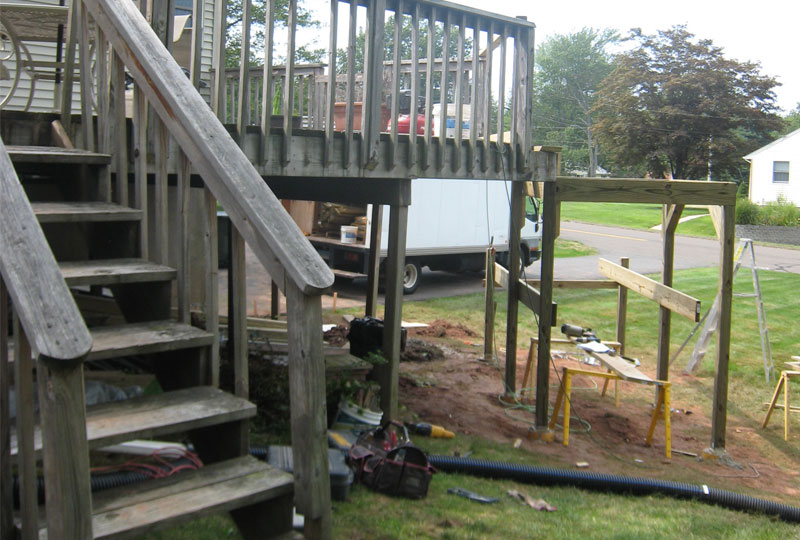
column 451, row 223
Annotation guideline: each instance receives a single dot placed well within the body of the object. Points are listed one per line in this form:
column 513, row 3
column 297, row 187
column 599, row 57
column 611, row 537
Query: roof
column 794, row 133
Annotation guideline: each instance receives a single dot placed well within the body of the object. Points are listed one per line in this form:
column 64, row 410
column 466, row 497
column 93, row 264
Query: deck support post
column 669, row 222
column 549, row 226
column 387, row 373
column 719, row 406
column 516, row 220
column 308, row 411
column 373, row 272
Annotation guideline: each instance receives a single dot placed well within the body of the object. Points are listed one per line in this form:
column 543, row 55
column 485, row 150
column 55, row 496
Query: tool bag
column 381, row 464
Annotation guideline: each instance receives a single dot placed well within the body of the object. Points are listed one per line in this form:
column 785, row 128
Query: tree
column 233, row 38
column 569, row 71
column 792, row 120
column 676, row 107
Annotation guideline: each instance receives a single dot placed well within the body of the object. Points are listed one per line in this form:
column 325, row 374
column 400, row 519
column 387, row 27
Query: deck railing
column 473, row 88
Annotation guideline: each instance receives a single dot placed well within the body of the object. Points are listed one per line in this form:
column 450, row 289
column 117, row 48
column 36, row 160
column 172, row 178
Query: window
column 780, row 171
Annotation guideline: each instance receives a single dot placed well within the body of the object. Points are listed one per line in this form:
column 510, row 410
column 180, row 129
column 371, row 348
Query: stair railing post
column 6, row 494
column 308, row 411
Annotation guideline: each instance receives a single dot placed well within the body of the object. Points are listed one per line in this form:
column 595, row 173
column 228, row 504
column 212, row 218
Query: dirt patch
column 462, row 393
column 442, row 328
column 421, row 351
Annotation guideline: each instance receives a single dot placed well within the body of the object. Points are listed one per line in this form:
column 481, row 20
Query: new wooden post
column 719, row 404
column 622, row 308
column 308, row 412
column 670, row 216
column 549, row 224
column 374, row 260
column 488, row 325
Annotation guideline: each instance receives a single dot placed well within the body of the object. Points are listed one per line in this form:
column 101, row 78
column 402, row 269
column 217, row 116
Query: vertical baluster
column 373, row 83
column 526, row 46
column 218, row 61
column 87, row 123
column 459, row 95
column 6, row 493
column 474, row 108
column 350, row 92
column 73, row 25
column 26, row 456
column 412, row 126
column 140, row 167
column 331, row 91
column 266, row 88
column 184, row 189
column 311, row 120
column 119, row 135
column 104, row 129
column 501, row 94
column 397, row 59
column 210, row 248
column 161, row 207
column 198, row 29
column 243, row 106
column 429, row 62
column 301, row 98
column 237, row 314
column 487, row 97
column 443, row 92
column 288, row 82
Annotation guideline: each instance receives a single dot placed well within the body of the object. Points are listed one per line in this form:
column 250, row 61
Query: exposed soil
column 461, row 392
column 336, row 336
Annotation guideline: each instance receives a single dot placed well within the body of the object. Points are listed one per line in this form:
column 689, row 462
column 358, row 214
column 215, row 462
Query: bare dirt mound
column 443, row 328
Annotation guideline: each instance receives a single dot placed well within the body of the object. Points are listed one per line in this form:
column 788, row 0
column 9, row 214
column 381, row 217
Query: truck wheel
column 412, row 274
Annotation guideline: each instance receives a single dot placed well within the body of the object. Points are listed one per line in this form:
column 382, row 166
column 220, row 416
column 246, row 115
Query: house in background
column 775, row 170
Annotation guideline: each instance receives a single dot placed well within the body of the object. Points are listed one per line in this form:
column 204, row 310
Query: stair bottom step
column 130, row 511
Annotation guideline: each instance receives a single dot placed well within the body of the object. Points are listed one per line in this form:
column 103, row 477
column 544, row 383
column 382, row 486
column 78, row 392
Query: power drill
column 430, row 430
column 581, row 334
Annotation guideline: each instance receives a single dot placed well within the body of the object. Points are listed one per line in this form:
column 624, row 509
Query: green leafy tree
column 676, row 107
column 792, row 120
column 233, row 39
column 569, row 70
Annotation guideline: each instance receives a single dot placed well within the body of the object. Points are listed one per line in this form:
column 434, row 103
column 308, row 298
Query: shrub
column 781, row 212
column 747, row 212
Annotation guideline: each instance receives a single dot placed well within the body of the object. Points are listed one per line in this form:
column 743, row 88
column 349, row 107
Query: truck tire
column 412, row 275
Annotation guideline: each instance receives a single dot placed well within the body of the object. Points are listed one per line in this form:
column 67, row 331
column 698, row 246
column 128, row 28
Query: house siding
column 762, row 188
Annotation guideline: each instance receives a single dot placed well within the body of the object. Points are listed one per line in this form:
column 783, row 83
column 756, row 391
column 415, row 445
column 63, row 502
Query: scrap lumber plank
column 528, row 295
column 678, row 302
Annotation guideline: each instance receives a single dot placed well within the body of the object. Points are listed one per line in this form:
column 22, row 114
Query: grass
column 584, row 514
column 634, row 216
column 571, row 248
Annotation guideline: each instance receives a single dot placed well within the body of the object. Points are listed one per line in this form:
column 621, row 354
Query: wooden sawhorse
column 786, row 376
column 662, row 407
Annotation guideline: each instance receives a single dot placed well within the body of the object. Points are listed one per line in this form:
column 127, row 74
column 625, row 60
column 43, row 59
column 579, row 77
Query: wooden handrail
column 41, row 297
column 253, row 208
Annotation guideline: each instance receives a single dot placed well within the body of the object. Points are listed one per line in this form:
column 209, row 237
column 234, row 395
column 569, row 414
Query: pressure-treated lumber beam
column 676, row 301
column 528, row 295
column 627, row 190
column 577, row 283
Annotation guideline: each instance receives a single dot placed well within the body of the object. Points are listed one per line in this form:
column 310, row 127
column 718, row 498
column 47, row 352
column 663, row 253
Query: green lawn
column 634, row 216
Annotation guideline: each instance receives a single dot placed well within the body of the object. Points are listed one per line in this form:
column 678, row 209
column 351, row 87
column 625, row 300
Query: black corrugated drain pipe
column 532, row 474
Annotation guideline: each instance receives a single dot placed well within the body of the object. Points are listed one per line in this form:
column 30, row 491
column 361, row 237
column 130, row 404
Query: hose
column 614, row 483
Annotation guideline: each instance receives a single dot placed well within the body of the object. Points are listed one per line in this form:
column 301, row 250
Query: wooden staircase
column 98, row 248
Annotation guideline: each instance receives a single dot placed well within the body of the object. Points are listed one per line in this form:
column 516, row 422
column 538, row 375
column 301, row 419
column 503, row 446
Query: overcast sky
column 767, row 32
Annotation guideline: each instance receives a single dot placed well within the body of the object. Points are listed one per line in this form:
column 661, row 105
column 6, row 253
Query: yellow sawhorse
column 786, row 376
column 662, row 407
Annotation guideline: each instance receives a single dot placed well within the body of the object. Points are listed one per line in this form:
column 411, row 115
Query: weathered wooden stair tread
column 53, row 154
column 146, row 507
column 52, row 212
column 145, row 338
column 114, row 271
column 151, row 416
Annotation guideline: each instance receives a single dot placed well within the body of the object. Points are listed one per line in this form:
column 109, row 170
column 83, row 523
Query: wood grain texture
column 546, row 319
column 114, row 272
column 160, row 414
column 146, row 338
column 676, row 301
column 62, row 413
column 628, row 190
column 253, row 209
column 576, row 283
column 308, row 412
column 517, row 292
column 130, row 512
column 41, row 298
column 6, row 493
column 75, row 212
column 237, row 315
column 375, row 233
column 24, row 439
column 488, row 320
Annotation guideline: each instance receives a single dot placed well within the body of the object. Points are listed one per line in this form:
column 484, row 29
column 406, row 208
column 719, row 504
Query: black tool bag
column 380, row 464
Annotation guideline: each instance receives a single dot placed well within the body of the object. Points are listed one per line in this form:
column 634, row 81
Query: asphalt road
column 643, row 248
